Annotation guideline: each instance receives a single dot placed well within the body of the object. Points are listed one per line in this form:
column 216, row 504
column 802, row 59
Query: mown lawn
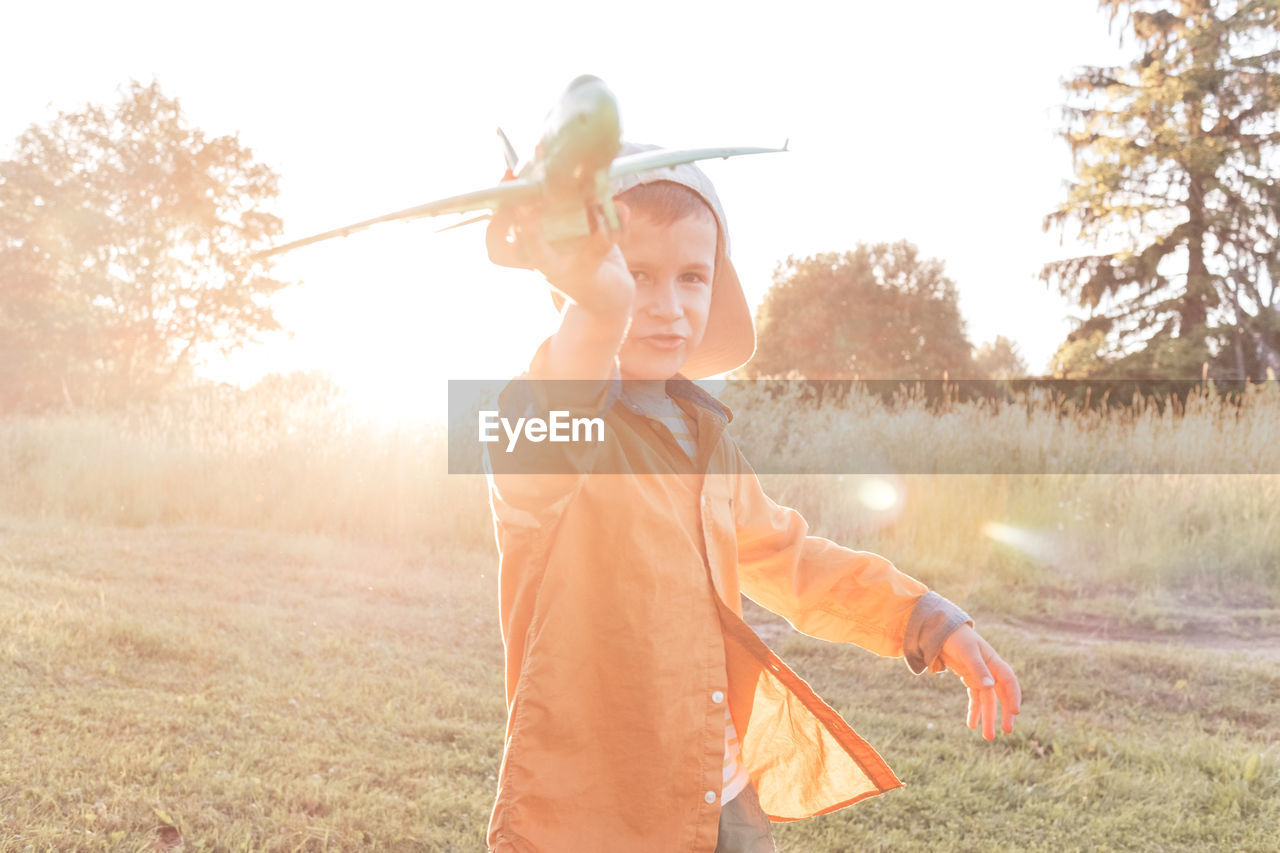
column 261, row 690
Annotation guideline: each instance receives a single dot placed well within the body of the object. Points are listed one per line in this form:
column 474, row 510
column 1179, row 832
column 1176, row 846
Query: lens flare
column 878, row 494
column 1032, row 543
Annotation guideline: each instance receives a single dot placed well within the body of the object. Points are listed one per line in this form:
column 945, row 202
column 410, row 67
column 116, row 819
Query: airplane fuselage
column 583, row 135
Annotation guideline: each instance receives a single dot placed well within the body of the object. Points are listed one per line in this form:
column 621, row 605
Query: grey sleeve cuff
column 931, row 622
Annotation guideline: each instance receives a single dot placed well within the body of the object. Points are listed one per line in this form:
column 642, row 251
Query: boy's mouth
column 664, row 342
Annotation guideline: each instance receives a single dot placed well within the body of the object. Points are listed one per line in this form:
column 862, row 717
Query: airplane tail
column 508, row 154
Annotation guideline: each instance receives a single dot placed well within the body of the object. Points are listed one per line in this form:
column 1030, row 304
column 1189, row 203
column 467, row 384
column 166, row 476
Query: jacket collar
column 681, row 387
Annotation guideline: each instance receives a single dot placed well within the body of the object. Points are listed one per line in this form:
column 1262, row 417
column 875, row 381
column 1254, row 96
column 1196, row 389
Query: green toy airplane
column 569, row 175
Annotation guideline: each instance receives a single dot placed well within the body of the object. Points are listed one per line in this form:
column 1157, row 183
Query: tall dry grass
column 1030, row 435
column 289, row 456
column 1029, row 531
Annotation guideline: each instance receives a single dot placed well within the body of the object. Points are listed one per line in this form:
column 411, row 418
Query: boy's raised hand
column 592, row 271
column 989, row 679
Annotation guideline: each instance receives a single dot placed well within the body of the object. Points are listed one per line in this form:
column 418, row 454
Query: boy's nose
column 665, row 304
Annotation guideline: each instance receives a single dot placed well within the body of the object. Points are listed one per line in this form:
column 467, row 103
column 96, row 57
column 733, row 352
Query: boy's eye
column 642, row 277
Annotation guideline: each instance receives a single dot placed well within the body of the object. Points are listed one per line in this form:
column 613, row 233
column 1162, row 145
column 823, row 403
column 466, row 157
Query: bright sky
column 934, row 122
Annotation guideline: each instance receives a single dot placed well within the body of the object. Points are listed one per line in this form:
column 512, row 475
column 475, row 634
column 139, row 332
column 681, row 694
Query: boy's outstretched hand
column 990, row 680
column 592, row 271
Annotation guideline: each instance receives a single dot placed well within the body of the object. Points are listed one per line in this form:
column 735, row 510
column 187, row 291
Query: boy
column 643, row 713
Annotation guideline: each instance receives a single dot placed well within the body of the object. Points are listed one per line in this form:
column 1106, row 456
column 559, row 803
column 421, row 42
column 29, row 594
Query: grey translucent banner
column 966, row 426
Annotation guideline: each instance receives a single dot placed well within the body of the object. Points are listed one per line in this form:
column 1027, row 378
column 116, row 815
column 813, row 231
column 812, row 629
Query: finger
column 962, row 663
column 495, row 235
column 1008, row 690
column 502, row 241
column 538, row 254
column 988, row 698
column 982, row 697
column 547, row 260
column 600, row 240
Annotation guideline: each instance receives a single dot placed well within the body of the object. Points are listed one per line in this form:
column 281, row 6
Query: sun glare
column 877, row 493
column 392, row 314
column 1032, row 543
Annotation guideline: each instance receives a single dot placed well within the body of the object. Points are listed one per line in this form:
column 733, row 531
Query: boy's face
column 673, row 266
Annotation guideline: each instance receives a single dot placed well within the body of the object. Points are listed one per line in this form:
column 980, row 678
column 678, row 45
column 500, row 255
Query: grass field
column 257, row 634
column 261, row 691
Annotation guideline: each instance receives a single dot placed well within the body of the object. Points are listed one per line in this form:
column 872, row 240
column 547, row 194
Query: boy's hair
column 666, row 202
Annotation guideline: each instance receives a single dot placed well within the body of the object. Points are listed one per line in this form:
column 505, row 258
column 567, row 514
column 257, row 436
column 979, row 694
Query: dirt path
column 1206, row 635
column 1225, row 632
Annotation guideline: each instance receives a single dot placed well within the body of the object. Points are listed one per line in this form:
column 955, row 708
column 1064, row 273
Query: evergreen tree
column 1177, row 157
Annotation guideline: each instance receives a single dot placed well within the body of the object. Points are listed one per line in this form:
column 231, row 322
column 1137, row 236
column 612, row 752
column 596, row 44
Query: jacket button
column 717, row 697
column 710, row 796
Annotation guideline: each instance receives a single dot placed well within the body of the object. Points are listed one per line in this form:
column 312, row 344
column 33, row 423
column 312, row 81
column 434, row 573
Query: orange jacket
column 622, row 622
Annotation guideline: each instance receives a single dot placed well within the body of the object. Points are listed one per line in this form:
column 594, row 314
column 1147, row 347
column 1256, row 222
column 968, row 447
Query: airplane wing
column 519, row 190
column 490, row 198
column 648, row 161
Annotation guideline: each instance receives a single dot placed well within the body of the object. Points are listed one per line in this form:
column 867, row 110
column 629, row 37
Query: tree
column 1176, row 157
column 1091, row 355
column 125, row 248
column 999, row 359
column 879, row 312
